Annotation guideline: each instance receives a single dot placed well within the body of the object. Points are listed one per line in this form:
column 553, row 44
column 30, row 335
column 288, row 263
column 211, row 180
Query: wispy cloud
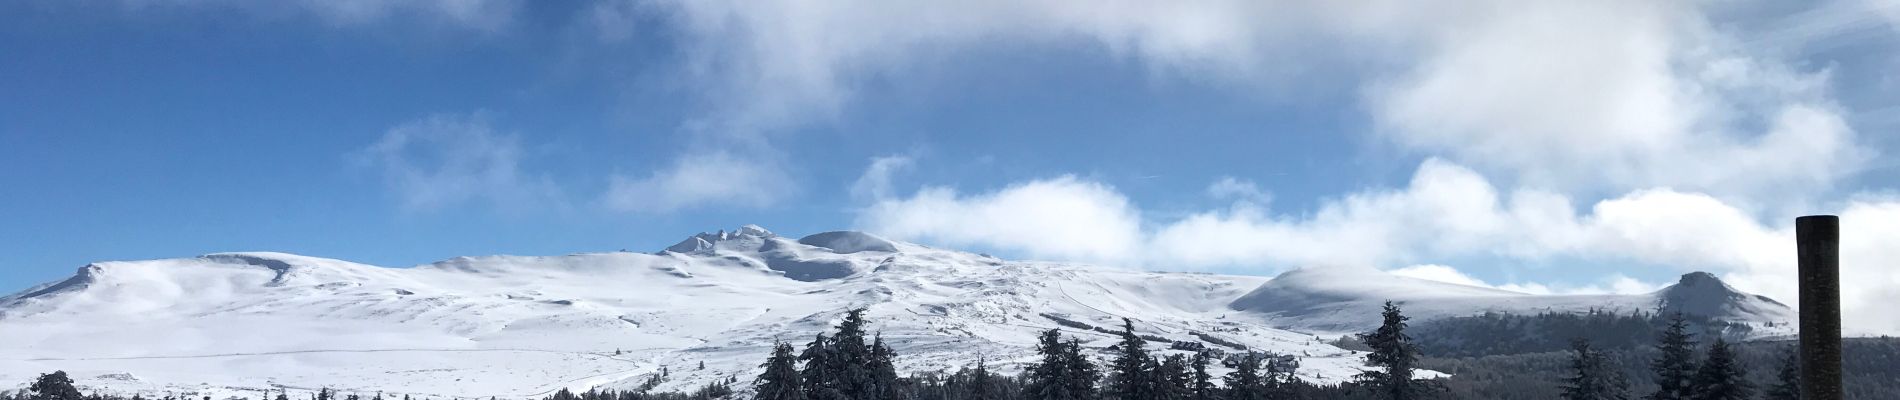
column 490, row 16
column 452, row 159
column 701, row 180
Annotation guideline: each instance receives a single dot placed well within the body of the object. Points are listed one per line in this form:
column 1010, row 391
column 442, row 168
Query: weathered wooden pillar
column 1818, row 241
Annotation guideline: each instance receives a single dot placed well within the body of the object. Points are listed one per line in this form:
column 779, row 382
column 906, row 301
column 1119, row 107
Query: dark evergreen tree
column 1720, row 377
column 1674, row 367
column 54, row 386
column 1787, row 378
column 852, row 357
column 1083, row 375
column 1128, row 376
column 780, row 381
column 1393, row 358
column 981, row 387
column 818, row 375
column 285, row 395
column 883, row 367
column 1050, row 378
column 1245, row 382
column 1592, row 376
column 1202, row 387
column 325, row 394
column 1169, row 378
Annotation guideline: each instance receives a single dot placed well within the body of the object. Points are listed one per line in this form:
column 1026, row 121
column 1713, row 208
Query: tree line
column 1679, row 373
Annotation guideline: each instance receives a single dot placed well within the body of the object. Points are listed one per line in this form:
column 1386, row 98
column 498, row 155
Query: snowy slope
column 526, row 326
column 516, row 327
column 1340, row 299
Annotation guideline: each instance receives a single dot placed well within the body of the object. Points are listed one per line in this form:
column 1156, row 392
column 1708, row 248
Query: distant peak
column 846, row 242
column 1698, row 278
column 704, row 242
column 753, row 230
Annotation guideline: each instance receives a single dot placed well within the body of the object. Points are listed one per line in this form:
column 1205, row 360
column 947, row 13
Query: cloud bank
column 1446, row 212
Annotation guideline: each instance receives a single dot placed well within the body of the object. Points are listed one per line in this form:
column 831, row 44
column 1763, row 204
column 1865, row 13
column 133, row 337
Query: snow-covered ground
column 517, row 327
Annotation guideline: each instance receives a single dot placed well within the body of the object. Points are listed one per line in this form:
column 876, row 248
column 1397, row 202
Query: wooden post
column 1818, row 241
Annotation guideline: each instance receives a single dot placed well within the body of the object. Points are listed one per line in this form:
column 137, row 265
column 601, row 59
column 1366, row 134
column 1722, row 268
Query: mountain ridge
column 261, row 319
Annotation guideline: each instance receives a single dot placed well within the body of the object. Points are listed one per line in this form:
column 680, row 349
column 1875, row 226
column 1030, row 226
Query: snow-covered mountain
column 1339, row 299
column 513, row 326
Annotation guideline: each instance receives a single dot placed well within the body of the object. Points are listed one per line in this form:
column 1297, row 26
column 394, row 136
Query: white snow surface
column 516, row 327
column 236, row 324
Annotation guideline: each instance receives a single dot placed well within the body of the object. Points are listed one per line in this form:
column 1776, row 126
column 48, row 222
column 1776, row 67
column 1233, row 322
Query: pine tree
column 1202, row 387
column 981, row 388
column 817, row 376
column 780, row 380
column 1592, row 376
column 883, row 368
column 1721, row 377
column 1675, row 366
column 1244, row 382
column 325, row 394
column 1168, row 377
column 285, row 395
column 54, row 386
column 1787, row 378
column 1393, row 357
column 1049, row 379
column 1128, row 373
column 1083, row 375
column 852, row 354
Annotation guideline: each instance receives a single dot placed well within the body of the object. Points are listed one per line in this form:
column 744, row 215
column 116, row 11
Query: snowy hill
column 525, row 326
column 1341, row 299
column 514, row 327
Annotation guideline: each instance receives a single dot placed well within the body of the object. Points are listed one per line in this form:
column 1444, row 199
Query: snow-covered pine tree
column 1720, row 377
column 817, row 375
column 780, row 381
column 852, row 356
column 1675, row 366
column 1592, row 377
column 1787, row 378
column 1128, row 373
column 1393, row 359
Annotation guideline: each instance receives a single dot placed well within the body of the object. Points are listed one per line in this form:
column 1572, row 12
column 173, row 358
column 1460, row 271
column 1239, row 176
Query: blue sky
column 1544, row 147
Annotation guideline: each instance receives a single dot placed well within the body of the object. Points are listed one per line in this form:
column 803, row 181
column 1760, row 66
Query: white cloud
column 1440, row 273
column 445, row 160
column 1600, row 96
column 875, row 183
column 698, row 180
column 1230, row 188
column 1063, row 218
column 1447, row 211
column 1616, row 96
